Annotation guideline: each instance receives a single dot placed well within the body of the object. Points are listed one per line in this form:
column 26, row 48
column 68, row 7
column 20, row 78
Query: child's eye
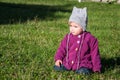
column 75, row 26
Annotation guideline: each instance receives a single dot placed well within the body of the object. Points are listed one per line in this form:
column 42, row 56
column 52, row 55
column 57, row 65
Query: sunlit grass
column 27, row 47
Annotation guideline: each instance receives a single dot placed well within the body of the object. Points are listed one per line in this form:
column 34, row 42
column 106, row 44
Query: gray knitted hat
column 79, row 16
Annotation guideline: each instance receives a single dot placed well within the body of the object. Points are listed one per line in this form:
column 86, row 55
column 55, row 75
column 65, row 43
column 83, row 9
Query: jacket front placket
column 73, row 50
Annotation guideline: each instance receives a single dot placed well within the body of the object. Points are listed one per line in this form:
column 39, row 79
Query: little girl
column 78, row 50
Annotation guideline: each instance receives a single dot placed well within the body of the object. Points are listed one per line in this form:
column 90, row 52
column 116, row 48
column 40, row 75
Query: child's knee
column 84, row 71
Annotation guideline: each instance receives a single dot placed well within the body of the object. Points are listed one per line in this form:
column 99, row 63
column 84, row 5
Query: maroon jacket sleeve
column 61, row 51
column 95, row 55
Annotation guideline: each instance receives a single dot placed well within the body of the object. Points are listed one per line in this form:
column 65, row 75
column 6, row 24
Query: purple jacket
column 78, row 51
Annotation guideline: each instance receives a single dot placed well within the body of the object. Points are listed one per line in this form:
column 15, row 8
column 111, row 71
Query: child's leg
column 83, row 70
column 61, row 68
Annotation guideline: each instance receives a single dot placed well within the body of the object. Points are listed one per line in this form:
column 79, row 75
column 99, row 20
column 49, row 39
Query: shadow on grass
column 13, row 13
column 110, row 63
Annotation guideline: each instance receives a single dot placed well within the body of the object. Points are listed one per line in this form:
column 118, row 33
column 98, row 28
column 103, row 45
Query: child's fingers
column 58, row 63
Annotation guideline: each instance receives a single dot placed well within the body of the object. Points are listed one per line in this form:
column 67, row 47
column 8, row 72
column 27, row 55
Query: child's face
column 75, row 29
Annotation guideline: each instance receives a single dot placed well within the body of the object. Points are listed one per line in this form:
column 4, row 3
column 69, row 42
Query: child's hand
column 58, row 63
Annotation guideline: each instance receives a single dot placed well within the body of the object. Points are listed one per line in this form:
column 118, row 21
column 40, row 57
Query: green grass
column 31, row 30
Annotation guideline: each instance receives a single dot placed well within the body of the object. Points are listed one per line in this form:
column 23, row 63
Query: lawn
column 31, row 30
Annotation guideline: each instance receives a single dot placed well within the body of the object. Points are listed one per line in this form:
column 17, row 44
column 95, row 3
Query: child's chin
column 74, row 34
